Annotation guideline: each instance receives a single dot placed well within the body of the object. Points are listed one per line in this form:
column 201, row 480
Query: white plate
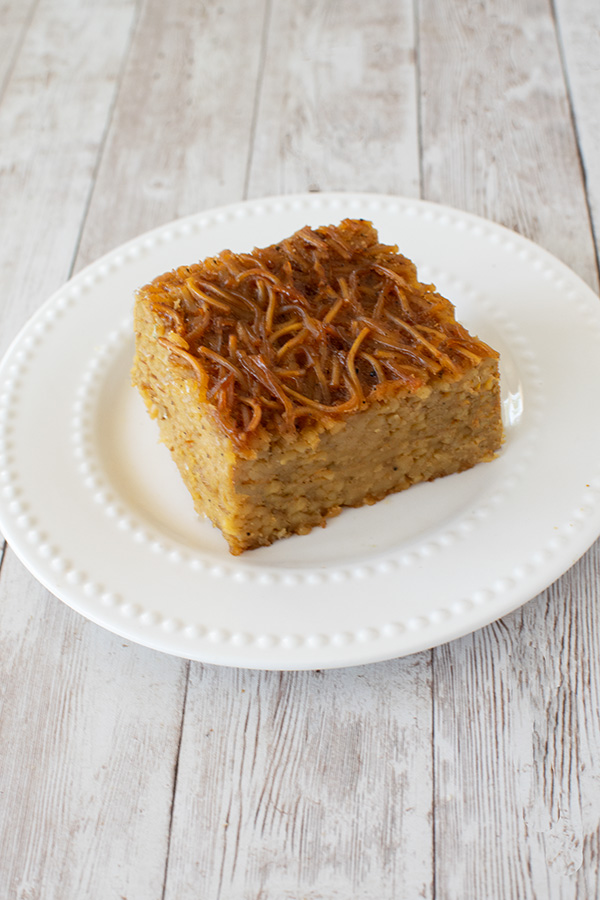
column 94, row 507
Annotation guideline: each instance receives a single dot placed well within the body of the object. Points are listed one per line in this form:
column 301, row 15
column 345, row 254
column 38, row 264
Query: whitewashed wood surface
column 465, row 773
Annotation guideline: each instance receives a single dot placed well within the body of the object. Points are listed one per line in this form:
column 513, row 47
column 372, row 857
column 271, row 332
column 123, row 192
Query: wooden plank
column 516, row 712
column 89, row 727
column 497, row 133
column 180, row 134
column 345, row 756
column 94, row 838
column 52, row 124
column 15, row 18
column 337, row 109
column 563, row 801
column 579, row 31
column 315, row 784
column 518, row 806
column 308, row 784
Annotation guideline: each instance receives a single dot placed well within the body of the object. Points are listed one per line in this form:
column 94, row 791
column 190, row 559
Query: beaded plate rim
column 190, row 631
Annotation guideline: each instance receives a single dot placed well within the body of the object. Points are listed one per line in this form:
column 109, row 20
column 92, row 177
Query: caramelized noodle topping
column 308, row 328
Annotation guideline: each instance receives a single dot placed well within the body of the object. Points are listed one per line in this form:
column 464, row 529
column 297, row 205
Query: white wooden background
column 471, row 771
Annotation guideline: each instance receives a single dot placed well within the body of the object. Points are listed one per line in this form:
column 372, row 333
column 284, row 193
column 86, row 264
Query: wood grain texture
column 15, row 19
column 337, row 102
column 305, row 784
column 89, row 729
column 510, row 704
column 497, row 133
column 579, row 31
column 179, row 137
column 52, row 124
column 89, row 726
column 517, row 730
column 470, row 772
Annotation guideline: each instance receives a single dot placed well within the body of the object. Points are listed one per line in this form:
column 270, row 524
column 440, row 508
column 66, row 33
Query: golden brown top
column 314, row 326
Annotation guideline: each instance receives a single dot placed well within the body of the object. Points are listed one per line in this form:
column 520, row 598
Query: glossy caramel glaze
column 318, row 325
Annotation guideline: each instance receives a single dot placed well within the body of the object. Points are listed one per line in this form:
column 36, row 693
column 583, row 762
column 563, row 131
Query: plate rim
column 268, row 653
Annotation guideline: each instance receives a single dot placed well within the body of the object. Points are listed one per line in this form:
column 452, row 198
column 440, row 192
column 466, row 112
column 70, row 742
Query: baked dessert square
column 311, row 375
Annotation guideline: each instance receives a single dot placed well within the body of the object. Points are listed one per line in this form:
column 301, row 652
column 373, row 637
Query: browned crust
column 315, row 327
